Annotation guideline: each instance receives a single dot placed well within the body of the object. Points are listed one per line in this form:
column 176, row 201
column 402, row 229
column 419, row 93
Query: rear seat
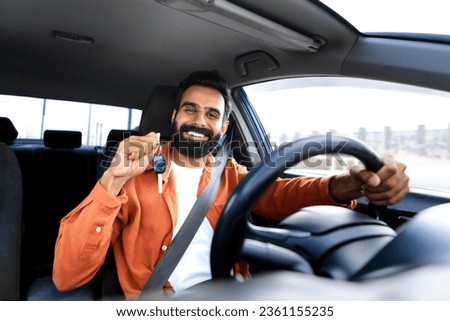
column 10, row 214
column 60, row 173
column 57, row 176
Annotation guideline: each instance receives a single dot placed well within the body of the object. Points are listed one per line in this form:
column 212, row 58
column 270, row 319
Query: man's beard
column 194, row 148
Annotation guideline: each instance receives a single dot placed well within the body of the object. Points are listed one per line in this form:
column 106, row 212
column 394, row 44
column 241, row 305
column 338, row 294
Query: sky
column 422, row 16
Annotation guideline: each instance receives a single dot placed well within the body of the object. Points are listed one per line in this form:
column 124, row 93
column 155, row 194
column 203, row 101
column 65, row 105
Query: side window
column 32, row 116
column 406, row 122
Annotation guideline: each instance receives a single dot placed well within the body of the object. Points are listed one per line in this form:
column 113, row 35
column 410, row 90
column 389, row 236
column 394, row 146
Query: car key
column 159, row 166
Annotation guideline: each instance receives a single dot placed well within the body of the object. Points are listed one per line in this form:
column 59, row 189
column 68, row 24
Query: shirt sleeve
column 84, row 237
column 287, row 196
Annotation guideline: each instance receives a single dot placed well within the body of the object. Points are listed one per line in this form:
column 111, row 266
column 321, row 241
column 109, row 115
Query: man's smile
column 193, row 135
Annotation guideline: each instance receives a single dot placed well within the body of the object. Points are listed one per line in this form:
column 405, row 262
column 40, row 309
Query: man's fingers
column 393, row 184
column 390, row 168
column 364, row 176
column 136, row 147
column 389, row 197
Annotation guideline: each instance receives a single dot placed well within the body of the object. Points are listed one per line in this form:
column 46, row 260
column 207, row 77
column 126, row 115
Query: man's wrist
column 112, row 184
column 343, row 189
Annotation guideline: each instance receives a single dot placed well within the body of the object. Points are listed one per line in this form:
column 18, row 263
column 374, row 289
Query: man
column 130, row 211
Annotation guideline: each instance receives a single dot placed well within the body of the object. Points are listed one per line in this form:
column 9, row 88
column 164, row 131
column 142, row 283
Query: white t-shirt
column 194, row 266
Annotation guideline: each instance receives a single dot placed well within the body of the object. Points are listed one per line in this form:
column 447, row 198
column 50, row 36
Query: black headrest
column 62, row 139
column 157, row 115
column 8, row 133
column 115, row 136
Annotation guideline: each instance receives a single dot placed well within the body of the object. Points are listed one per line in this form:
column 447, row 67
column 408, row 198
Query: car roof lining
column 132, row 42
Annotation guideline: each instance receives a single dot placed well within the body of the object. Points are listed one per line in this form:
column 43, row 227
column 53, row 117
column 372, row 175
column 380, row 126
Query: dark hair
column 212, row 79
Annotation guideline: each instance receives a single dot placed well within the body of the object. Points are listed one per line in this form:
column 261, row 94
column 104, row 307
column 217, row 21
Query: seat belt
column 183, row 238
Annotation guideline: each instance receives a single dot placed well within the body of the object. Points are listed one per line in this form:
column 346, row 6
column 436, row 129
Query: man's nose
column 200, row 120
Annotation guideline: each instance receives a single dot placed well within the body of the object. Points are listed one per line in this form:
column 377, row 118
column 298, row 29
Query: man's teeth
column 195, row 134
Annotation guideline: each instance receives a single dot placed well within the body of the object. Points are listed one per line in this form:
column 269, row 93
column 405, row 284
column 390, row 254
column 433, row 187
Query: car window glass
column 422, row 17
column 406, row 122
column 32, row 116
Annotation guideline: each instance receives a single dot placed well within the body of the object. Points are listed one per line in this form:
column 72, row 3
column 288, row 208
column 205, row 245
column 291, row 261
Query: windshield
column 357, row 108
column 398, row 16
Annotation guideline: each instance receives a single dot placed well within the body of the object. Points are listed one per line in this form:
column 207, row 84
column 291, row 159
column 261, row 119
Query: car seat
column 157, row 114
column 156, row 117
column 10, row 215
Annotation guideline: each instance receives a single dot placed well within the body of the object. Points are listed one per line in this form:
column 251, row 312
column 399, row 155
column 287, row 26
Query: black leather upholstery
column 62, row 139
column 10, row 224
column 157, row 115
column 69, row 173
column 8, row 133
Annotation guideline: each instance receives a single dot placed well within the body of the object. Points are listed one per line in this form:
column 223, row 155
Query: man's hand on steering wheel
column 233, row 226
column 386, row 187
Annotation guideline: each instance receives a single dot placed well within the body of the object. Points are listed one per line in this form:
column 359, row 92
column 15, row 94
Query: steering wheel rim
column 233, row 224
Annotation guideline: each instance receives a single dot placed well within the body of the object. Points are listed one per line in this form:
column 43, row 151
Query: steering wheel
column 234, row 227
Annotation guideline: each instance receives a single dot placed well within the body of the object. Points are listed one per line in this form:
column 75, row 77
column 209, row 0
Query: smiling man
column 137, row 211
column 200, row 121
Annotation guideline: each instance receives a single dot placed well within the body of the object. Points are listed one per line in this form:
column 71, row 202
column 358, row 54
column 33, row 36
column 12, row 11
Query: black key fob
column 159, row 164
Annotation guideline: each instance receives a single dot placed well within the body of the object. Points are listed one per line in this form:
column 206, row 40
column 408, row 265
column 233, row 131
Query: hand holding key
column 132, row 157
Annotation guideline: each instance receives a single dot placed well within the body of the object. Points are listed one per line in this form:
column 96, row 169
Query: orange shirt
column 138, row 223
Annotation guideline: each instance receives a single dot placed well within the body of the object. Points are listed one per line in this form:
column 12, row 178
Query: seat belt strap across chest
column 183, row 238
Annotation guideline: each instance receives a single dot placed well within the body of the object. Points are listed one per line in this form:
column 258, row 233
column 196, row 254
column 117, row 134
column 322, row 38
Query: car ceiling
column 141, row 43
